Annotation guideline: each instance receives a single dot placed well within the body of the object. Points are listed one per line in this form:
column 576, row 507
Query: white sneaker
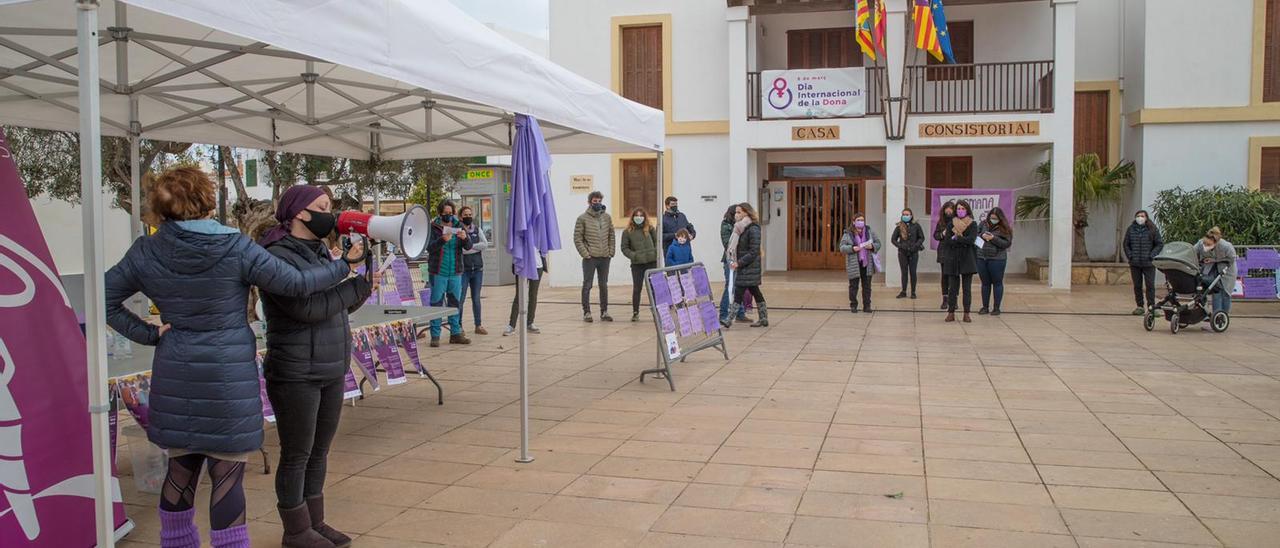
column 534, row 329
column 509, row 330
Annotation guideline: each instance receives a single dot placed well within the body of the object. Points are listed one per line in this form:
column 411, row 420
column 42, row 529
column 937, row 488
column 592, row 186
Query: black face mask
column 466, row 221
column 321, row 223
column 597, row 207
column 447, row 219
column 674, row 210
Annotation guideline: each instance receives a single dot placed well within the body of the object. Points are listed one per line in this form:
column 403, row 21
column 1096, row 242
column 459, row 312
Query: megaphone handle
column 346, row 247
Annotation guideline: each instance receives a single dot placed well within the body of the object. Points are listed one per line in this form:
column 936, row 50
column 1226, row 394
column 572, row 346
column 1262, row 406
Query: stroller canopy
column 1179, row 257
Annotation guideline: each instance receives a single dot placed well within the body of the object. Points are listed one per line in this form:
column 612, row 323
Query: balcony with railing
column 974, row 88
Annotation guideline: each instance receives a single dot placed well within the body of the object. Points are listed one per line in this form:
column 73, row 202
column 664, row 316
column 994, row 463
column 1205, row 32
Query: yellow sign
column 479, row 174
column 582, row 184
column 980, row 129
column 815, row 133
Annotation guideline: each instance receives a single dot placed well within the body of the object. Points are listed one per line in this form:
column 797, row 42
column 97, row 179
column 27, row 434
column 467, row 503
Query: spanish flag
column 879, row 32
column 862, row 27
column 926, row 32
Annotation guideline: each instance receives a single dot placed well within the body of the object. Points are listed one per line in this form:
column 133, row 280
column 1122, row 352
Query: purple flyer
column 388, row 354
column 404, row 282
column 267, row 412
column 408, row 338
column 350, row 388
column 135, row 393
column 424, row 295
column 664, row 316
column 673, row 285
column 710, row 317
column 661, row 293
column 686, row 327
column 686, row 283
column 701, row 283
column 362, row 351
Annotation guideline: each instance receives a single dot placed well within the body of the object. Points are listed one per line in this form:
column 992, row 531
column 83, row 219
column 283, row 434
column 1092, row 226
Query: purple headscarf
column 292, row 202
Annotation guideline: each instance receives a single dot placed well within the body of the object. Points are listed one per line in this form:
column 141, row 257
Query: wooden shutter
column 797, row 45
column 639, row 186
column 1270, row 180
column 946, row 172
column 822, row 48
column 1271, row 54
column 642, row 65
column 961, row 47
column 1092, row 124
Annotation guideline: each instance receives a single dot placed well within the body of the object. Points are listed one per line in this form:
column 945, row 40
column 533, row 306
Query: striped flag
column 879, row 32
column 862, row 27
column 926, row 32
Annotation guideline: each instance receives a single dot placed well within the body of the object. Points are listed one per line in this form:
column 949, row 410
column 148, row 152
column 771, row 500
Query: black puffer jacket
column 309, row 338
column 750, row 269
column 1142, row 242
column 204, row 382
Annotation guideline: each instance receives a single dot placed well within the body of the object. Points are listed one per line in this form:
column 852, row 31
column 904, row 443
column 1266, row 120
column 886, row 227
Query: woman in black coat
column 909, row 239
column 944, row 220
column 308, row 356
column 960, row 262
column 1142, row 242
column 205, row 405
column 745, row 261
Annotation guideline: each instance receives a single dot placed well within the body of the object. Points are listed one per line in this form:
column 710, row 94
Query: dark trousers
column 907, row 263
column 991, row 272
column 954, row 285
column 307, row 416
column 1143, row 275
column 533, row 304
column 863, row 278
column 739, row 291
column 472, row 280
column 946, row 286
column 599, row 268
column 637, row 283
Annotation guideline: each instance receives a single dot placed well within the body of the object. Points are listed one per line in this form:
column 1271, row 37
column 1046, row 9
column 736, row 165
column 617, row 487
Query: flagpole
column 522, row 293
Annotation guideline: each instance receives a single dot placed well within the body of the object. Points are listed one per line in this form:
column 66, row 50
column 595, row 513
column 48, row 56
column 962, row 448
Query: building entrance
column 820, row 211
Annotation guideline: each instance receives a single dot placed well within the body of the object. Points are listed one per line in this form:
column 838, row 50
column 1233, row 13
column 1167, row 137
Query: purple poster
column 350, row 388
column 47, row 486
column 384, row 343
column 135, row 393
column 673, row 286
column 710, row 317
column 686, row 283
column 113, row 418
column 409, row 339
column 424, row 296
column 661, row 292
column 267, row 412
column 362, row 351
column 686, row 327
column 664, row 319
column 404, row 282
column 981, row 199
column 701, row 284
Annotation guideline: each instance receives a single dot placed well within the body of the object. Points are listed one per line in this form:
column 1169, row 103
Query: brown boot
column 967, row 319
column 459, row 339
column 951, row 316
column 297, row 529
column 315, row 507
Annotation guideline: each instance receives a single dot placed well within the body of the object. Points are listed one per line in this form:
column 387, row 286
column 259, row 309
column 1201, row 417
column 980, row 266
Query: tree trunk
column 230, row 161
column 1080, row 221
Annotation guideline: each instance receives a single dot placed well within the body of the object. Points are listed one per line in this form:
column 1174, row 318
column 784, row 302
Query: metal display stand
column 685, row 344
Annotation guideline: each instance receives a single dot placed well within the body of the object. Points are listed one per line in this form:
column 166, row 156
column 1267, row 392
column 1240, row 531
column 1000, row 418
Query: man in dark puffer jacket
column 308, row 355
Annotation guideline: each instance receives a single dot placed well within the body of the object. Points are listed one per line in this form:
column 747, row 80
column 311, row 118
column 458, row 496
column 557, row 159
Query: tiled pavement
column 826, row 429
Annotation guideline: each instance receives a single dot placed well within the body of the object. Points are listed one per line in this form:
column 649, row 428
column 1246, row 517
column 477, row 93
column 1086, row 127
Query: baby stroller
column 1181, row 269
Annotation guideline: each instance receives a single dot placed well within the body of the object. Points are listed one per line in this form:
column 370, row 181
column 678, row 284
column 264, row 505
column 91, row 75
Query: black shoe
column 995, row 312
column 605, row 317
column 913, row 295
column 435, row 342
column 944, row 305
column 586, row 317
column 853, row 308
column 902, row 295
column 866, row 308
column 983, row 311
column 635, row 316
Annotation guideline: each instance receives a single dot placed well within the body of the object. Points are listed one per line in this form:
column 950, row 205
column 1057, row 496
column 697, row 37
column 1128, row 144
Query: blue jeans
column 991, row 272
column 1222, row 301
column 471, row 280
column 443, row 286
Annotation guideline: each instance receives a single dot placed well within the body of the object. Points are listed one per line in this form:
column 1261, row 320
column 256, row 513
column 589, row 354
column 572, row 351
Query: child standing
column 681, row 251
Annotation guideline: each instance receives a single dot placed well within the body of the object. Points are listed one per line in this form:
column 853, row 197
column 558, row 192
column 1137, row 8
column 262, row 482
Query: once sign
column 980, row 129
column 479, row 174
column 582, row 184
column 815, row 133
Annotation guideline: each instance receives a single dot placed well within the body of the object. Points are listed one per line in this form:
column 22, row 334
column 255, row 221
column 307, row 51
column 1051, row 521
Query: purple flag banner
column 362, row 351
column 981, row 199
column 409, row 339
column 384, row 343
column 47, row 484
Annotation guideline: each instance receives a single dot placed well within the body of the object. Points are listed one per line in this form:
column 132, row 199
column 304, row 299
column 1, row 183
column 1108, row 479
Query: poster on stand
column 362, row 351
column 388, row 354
column 409, row 339
column 350, row 388
column 982, row 200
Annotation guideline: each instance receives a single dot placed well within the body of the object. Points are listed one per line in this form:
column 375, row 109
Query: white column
column 895, row 153
column 739, row 183
column 1064, row 82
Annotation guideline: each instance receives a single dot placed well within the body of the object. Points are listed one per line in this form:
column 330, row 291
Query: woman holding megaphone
column 205, row 398
column 308, row 356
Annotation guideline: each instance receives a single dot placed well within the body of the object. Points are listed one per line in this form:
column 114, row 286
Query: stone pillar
column 1064, row 83
column 740, row 186
column 895, row 154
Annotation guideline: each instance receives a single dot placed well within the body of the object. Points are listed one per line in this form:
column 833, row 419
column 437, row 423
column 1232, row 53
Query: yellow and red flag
column 926, row 32
column 862, row 27
column 878, row 32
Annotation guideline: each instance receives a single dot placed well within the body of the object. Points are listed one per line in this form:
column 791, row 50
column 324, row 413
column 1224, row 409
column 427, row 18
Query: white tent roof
column 275, row 74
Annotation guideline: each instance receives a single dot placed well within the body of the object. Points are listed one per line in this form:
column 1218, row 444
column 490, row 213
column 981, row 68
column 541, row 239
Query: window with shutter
column 961, row 47
column 1271, row 54
column 822, row 48
column 639, row 186
column 642, row 64
column 1270, row 179
column 1092, row 124
column 946, row 172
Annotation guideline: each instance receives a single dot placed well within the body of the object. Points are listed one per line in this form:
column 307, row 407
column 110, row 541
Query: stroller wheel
column 1149, row 321
column 1173, row 323
column 1220, row 321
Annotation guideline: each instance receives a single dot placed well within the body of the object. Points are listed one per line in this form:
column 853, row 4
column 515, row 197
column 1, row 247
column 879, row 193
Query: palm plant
column 1092, row 183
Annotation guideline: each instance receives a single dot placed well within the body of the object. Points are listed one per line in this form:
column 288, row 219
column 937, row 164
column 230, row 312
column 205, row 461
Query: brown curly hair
column 181, row 194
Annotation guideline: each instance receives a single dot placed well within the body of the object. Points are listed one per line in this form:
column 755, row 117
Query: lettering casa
column 815, row 133
column 980, row 129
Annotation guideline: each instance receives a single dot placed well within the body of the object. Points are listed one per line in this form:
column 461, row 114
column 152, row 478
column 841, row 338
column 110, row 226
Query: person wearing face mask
column 673, row 221
column 860, row 246
column 681, row 251
column 640, row 246
column 745, row 261
column 595, row 239
column 472, row 266
column 726, row 298
column 1218, row 257
column 308, row 355
column 445, row 264
column 993, row 256
column 960, row 258
column 1142, row 242
column 939, row 229
column 909, row 239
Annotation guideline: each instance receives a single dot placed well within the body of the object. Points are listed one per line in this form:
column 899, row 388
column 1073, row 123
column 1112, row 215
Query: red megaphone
column 408, row 231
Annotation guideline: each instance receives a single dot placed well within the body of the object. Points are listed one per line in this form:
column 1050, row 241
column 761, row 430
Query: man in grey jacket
column 594, row 237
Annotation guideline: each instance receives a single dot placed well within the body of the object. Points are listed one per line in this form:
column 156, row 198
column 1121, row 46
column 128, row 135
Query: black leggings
column 1144, row 275
column 908, row 262
column 307, row 416
column 637, row 283
column 740, row 290
column 226, row 502
column 954, row 284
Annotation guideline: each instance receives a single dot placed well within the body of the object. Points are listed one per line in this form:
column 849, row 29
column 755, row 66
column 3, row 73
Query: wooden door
column 820, row 211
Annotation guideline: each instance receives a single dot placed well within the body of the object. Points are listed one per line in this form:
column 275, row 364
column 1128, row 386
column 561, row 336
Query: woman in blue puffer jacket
column 205, row 403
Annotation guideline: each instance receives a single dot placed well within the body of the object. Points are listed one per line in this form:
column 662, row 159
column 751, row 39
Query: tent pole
column 222, row 187
column 95, row 297
column 135, row 169
column 522, row 327
column 662, row 252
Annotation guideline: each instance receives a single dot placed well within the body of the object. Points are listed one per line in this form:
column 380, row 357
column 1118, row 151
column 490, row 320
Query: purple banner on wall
column 981, row 199
column 409, row 339
column 362, row 351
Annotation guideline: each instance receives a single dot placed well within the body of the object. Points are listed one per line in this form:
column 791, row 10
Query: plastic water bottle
column 111, row 344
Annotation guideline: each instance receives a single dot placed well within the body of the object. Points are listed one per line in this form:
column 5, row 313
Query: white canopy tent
column 390, row 79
